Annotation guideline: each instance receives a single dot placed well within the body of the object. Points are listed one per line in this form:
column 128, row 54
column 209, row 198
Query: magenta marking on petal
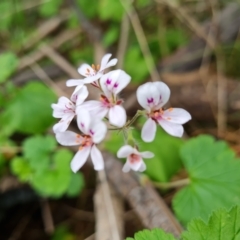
column 108, row 81
column 91, row 131
column 82, row 125
column 115, row 85
column 150, row 100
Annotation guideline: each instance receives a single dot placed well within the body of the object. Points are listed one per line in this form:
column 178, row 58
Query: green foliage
column 6, row 17
column 167, row 159
column 50, row 8
column 89, row 9
column 110, row 10
column 214, row 179
column 222, row 225
column 47, row 170
column 155, row 234
column 29, row 111
column 8, row 64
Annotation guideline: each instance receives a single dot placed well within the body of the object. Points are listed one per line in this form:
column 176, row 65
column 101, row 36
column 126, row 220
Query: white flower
column 152, row 96
column 111, row 84
column 92, row 73
column 134, row 158
column 65, row 108
column 93, row 133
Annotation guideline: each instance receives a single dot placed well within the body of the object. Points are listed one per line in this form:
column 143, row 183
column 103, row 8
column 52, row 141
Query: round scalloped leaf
column 222, row 225
column 155, row 234
column 54, row 182
column 21, row 168
column 37, row 151
column 214, row 179
column 30, row 111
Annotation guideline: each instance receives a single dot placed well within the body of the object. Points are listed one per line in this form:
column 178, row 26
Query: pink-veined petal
column 126, row 167
column 58, row 109
column 176, row 115
column 114, row 81
column 86, row 69
column 153, row 95
column 125, row 151
column 149, row 130
column 98, row 130
column 83, row 120
column 164, row 93
column 69, row 138
column 173, row 129
column 142, row 167
column 135, row 165
column 97, row 158
column 80, row 94
column 104, row 61
column 117, row 116
column 63, row 124
column 147, row 154
column 80, row 158
column 96, row 108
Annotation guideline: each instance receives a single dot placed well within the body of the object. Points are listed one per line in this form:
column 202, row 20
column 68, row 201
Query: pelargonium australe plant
column 94, row 117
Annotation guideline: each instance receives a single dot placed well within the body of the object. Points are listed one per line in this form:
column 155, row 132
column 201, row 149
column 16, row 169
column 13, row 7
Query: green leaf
column 54, row 182
column 214, row 179
column 89, row 10
column 155, row 234
column 222, row 225
column 8, row 64
column 76, row 184
column 21, row 168
column 37, row 150
column 30, row 111
column 110, row 10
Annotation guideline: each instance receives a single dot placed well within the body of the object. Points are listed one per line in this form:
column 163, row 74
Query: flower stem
column 169, row 185
column 138, row 114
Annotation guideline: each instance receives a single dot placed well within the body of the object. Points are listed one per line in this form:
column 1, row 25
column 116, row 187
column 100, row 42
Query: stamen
column 98, row 67
column 170, row 109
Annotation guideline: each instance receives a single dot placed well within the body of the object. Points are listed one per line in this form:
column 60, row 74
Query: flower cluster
column 93, row 117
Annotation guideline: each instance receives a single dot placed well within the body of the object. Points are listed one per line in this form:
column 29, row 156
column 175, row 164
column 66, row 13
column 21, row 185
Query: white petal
column 58, row 109
column 92, row 78
column 173, row 129
column 164, row 93
column 111, row 63
column 142, row 167
column 83, row 120
column 114, row 81
column 104, row 61
column 83, row 70
column 96, row 108
column 79, row 94
column 135, row 165
column 176, row 115
column 63, row 124
column 68, row 138
column 80, row 158
column 147, row 154
column 125, row 151
column 117, row 116
column 98, row 130
column 153, row 95
column 97, row 158
column 126, row 167
column 74, row 82
column 149, row 130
